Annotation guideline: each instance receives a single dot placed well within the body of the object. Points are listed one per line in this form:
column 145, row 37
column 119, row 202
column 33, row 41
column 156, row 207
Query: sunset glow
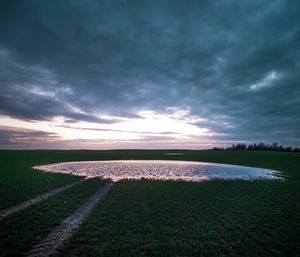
column 150, row 125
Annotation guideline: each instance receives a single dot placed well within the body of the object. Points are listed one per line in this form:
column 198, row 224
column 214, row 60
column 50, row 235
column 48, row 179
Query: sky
column 148, row 74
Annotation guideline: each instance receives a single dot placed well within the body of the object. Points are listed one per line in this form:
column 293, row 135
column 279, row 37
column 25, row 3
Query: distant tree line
column 260, row 147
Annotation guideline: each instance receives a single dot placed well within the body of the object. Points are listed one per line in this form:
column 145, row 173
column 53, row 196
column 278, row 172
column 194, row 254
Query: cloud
column 265, row 82
column 14, row 138
column 235, row 64
column 33, row 93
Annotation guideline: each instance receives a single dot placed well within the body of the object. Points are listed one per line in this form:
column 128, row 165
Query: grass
column 20, row 182
column 167, row 218
column 21, row 230
column 164, row 218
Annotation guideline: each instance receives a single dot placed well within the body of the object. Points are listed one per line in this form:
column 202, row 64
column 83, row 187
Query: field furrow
column 36, row 199
column 167, row 218
column 21, row 230
column 48, row 245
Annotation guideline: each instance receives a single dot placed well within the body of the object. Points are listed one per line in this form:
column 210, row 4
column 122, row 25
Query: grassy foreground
column 164, row 218
column 19, row 231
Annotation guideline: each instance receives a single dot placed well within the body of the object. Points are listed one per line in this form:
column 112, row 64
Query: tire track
column 4, row 213
column 58, row 235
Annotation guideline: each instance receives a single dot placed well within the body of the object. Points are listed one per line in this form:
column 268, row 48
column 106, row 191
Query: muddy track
column 58, row 235
column 36, row 199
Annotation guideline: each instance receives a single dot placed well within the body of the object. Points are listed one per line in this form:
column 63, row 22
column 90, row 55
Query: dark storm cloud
column 33, row 93
column 234, row 63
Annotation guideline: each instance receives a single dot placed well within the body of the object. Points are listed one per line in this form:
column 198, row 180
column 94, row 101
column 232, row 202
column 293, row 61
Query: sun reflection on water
column 164, row 170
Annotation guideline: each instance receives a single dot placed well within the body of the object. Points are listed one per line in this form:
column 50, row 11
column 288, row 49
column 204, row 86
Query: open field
column 19, row 181
column 19, row 231
column 158, row 218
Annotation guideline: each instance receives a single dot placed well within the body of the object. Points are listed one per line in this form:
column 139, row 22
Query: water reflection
column 174, row 153
column 174, row 170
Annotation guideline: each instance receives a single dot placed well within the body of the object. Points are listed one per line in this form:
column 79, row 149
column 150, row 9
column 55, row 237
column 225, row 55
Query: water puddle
column 174, row 153
column 166, row 170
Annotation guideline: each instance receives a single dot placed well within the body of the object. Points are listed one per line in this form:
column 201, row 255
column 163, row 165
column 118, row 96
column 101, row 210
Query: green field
column 19, row 231
column 158, row 218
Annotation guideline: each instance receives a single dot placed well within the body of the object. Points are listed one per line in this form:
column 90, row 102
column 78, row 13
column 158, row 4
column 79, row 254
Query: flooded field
column 165, row 170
